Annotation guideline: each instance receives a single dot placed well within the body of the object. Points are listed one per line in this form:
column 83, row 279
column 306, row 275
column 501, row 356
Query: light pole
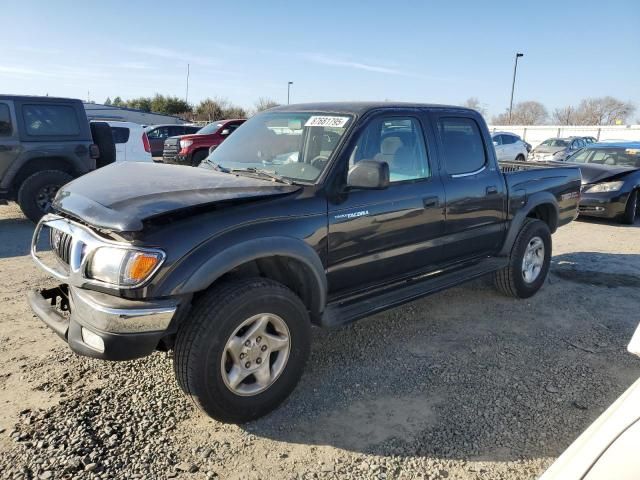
column 513, row 84
column 289, row 91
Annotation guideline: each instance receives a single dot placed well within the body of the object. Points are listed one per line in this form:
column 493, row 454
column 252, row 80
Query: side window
column 50, row 120
column 497, row 139
column 176, row 130
column 399, row 142
column 508, row 139
column 120, row 134
column 191, row 129
column 5, row 121
column 462, row 145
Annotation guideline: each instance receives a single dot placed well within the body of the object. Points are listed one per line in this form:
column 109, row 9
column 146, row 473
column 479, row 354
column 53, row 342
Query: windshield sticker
column 326, row 121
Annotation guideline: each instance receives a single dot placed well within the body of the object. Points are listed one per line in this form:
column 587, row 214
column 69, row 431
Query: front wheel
column 243, row 349
column 198, row 157
column 520, row 158
column 528, row 263
column 631, row 209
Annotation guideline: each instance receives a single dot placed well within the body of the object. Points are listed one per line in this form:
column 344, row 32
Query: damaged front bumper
column 103, row 326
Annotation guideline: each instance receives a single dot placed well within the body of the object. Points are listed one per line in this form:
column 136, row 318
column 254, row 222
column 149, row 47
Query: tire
column 214, row 320
column 520, row 158
column 103, row 138
column 37, row 192
column 631, row 209
column 512, row 279
column 198, row 157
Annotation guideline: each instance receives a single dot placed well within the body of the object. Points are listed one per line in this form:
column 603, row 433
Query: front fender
column 194, row 275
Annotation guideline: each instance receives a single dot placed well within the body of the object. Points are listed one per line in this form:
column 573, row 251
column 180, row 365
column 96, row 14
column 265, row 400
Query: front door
column 376, row 235
column 474, row 187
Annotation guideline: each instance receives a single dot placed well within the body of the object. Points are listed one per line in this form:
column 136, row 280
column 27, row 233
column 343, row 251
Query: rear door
column 376, row 235
column 9, row 143
column 474, row 187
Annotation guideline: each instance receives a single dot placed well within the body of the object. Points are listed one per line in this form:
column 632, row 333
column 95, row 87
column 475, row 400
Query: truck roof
column 358, row 108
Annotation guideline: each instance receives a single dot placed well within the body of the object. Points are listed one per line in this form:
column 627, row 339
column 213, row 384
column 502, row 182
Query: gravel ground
column 465, row 384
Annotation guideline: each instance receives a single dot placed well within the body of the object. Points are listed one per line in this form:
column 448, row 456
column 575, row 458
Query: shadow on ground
column 468, row 373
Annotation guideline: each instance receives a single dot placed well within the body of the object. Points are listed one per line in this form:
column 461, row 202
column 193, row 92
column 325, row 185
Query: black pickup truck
column 316, row 214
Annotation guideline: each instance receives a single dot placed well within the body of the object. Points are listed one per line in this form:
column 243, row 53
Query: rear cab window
column 462, row 145
column 50, row 120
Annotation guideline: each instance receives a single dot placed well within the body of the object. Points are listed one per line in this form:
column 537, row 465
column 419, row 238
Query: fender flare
column 24, row 159
column 533, row 201
column 228, row 259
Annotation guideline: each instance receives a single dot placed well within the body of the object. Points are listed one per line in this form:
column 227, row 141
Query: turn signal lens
column 139, row 266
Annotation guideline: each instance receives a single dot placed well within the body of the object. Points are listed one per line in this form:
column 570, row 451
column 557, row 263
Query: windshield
column 555, row 142
column 294, row 145
column 210, row 128
column 614, row 156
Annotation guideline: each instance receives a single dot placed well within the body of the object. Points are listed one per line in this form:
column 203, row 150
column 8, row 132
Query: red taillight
column 145, row 142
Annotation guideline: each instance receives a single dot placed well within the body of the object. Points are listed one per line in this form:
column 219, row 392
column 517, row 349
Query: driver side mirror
column 369, row 174
column 225, row 132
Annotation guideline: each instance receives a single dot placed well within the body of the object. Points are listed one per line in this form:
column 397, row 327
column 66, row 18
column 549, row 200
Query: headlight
column 123, row 267
column 604, row 187
column 185, row 143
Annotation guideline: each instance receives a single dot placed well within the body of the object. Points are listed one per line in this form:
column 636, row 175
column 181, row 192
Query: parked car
column 556, row 149
column 610, row 180
column 590, row 139
column 157, row 134
column 132, row 144
column 509, row 147
column 46, row 142
column 309, row 214
column 608, row 449
column 192, row 149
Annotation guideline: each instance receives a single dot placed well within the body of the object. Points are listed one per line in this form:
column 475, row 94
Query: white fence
column 536, row 134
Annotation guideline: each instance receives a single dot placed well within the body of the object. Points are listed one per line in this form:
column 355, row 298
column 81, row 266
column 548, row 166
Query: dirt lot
column 465, row 384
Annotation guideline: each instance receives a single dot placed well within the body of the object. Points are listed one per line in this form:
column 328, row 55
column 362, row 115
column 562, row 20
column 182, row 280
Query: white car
column 509, row 147
column 609, row 449
column 132, row 144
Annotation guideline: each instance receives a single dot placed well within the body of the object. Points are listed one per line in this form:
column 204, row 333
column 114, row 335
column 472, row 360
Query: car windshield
column 293, row 145
column 555, row 142
column 210, row 128
column 614, row 156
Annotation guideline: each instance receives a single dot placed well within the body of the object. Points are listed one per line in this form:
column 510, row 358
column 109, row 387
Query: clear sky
column 442, row 52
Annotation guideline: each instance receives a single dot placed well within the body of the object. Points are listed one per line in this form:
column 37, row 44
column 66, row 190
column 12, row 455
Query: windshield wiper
column 263, row 173
column 217, row 167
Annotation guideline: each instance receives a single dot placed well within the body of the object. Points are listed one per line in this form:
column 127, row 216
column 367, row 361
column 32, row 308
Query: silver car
column 557, row 149
column 509, row 146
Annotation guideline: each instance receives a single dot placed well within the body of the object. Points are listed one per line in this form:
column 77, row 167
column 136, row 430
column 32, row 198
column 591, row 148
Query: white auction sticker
column 326, row 121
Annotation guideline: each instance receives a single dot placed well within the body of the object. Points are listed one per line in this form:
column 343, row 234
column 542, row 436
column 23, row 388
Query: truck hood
column 594, row 173
column 120, row 197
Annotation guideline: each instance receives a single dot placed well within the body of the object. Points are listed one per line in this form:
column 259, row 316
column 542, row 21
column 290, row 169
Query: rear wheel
column 37, row 192
column 631, row 209
column 243, row 349
column 528, row 263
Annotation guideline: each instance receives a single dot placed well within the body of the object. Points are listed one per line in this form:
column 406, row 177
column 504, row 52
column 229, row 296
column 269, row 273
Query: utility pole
column 186, row 95
column 289, row 91
column 513, row 84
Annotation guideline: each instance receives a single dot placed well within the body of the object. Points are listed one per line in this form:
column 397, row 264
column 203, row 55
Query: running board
column 348, row 310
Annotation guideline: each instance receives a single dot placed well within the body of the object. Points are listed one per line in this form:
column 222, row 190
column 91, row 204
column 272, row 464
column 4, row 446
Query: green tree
column 107, row 101
column 118, row 102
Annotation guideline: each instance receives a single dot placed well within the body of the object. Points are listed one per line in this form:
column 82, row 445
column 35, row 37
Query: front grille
column 60, row 244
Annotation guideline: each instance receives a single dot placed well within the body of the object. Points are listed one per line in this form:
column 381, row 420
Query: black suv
column 46, row 142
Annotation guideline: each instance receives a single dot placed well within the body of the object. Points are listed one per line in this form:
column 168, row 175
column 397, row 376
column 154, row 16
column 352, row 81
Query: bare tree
column 473, row 102
column 211, row 109
column 564, row 116
column 603, row 111
column 523, row 113
column 265, row 103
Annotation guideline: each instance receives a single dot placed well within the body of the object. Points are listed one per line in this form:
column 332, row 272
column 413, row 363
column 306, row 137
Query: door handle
column 492, row 190
column 430, row 202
